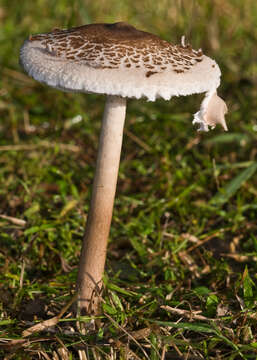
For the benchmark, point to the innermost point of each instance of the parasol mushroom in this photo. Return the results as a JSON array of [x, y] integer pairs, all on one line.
[[121, 62]]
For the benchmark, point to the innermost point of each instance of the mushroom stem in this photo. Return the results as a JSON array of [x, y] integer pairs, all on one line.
[[93, 253]]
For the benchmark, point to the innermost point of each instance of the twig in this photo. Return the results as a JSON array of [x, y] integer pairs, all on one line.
[[137, 140], [13, 220], [176, 348], [50, 322], [23, 264], [201, 242], [187, 313], [163, 352], [82, 355], [129, 353], [128, 334], [44, 354], [240, 257]]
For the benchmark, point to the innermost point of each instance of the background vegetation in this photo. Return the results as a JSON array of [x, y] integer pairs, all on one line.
[[181, 269]]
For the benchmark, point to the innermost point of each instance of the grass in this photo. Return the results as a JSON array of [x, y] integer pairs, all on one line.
[[180, 279]]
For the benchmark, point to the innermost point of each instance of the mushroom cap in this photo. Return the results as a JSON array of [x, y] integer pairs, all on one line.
[[117, 59]]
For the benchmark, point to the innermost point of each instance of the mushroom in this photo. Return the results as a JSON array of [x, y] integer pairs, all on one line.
[[121, 62]]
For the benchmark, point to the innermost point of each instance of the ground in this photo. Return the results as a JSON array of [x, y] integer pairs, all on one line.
[[180, 279]]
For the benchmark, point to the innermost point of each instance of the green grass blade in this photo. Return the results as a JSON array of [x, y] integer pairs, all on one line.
[[228, 138], [231, 188], [116, 288], [198, 327], [203, 328]]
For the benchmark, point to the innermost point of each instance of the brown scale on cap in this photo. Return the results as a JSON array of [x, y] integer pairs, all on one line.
[[150, 73], [118, 45]]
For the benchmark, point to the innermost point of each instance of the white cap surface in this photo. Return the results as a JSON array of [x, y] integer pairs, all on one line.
[[117, 59]]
